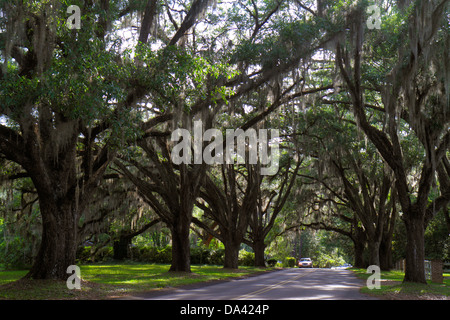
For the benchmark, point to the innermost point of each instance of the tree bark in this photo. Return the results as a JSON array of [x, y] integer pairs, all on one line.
[[415, 247], [386, 254], [121, 248], [181, 254], [59, 238], [259, 247], [374, 252], [359, 255], [231, 254]]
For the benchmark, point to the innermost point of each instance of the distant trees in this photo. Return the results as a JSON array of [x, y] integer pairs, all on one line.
[[350, 178]]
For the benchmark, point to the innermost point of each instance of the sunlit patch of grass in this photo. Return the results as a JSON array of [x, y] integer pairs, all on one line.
[[393, 287], [11, 275], [100, 281]]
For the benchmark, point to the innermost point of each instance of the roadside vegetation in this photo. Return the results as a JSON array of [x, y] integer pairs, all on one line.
[[393, 287], [114, 280]]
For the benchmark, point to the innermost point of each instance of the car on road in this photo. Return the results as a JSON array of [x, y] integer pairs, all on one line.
[[305, 263]]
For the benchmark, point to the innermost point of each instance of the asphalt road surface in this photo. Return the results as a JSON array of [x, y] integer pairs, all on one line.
[[287, 284]]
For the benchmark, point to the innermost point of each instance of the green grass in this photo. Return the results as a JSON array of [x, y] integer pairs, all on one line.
[[102, 281], [392, 287]]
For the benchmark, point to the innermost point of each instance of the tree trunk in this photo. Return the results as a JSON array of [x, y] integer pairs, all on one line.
[[374, 252], [121, 248], [359, 241], [386, 254], [415, 247], [231, 254], [359, 255], [181, 252], [59, 239], [259, 247]]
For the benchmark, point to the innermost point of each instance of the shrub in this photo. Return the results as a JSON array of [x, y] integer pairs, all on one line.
[[104, 254], [200, 255], [328, 261], [146, 254], [164, 255], [217, 256], [272, 262], [84, 254], [135, 253], [290, 262], [246, 258], [16, 254]]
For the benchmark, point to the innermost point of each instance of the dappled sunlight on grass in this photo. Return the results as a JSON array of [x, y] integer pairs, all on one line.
[[392, 287], [99, 281]]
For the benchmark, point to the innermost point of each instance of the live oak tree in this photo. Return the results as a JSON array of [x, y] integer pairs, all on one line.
[[413, 89], [43, 73], [229, 201], [274, 192], [68, 102], [220, 78], [351, 177]]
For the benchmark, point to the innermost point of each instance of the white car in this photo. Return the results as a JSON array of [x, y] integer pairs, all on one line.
[[305, 263]]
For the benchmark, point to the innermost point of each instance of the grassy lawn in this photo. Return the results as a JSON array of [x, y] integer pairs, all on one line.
[[393, 288], [103, 281]]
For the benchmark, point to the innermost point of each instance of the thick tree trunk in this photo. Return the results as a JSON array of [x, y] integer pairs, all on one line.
[[121, 248], [231, 254], [386, 254], [359, 255], [59, 239], [415, 247], [374, 252], [259, 248], [359, 242], [181, 254]]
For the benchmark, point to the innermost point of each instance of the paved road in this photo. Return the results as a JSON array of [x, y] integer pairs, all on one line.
[[287, 284]]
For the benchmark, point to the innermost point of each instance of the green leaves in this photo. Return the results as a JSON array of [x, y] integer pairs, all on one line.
[[173, 74]]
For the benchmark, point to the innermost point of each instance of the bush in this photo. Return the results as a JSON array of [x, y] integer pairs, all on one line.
[[272, 262], [104, 254], [16, 254], [84, 254], [290, 262], [200, 255], [164, 255], [217, 256], [152, 254], [145, 254], [246, 258], [328, 261]]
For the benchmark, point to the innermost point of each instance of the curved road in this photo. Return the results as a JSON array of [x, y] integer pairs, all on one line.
[[287, 284]]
